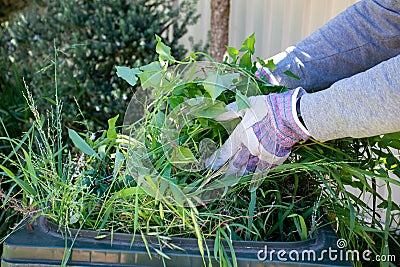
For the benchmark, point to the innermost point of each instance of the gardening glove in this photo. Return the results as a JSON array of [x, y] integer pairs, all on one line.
[[264, 137], [265, 73]]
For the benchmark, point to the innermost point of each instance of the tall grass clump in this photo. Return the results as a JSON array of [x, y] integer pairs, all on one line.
[[147, 177]]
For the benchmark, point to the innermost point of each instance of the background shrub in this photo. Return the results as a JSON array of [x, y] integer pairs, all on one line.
[[91, 38], [9, 7]]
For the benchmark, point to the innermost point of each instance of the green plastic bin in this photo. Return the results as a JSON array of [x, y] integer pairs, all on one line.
[[45, 246]]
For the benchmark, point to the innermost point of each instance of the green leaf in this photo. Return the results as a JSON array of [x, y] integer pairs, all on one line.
[[215, 83], [248, 44], [198, 233], [177, 194], [7, 171], [111, 132], [119, 161], [300, 225], [31, 169], [188, 90], [146, 244], [166, 172], [391, 140], [81, 144], [163, 51], [383, 205], [150, 75], [252, 207], [245, 61], [102, 150], [129, 192], [151, 67], [159, 119], [269, 64], [175, 101], [162, 254], [217, 243], [212, 111], [51, 101], [242, 101], [233, 53], [128, 74], [193, 55], [100, 237], [291, 75], [182, 155], [24, 185], [231, 248], [74, 218]]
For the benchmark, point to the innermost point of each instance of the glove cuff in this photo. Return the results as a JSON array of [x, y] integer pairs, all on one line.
[[297, 94], [286, 122]]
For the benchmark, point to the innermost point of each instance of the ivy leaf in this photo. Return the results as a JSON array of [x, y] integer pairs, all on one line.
[[269, 64], [212, 111], [245, 61], [189, 90], [128, 74], [248, 44], [233, 53], [163, 51], [215, 83], [158, 119], [175, 101], [150, 75], [241, 101], [111, 132], [205, 107]]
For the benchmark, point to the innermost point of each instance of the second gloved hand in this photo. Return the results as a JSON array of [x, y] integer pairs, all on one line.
[[264, 137]]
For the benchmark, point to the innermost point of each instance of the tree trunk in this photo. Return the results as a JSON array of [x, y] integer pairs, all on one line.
[[220, 10]]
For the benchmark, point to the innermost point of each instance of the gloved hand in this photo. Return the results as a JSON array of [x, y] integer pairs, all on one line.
[[265, 135]]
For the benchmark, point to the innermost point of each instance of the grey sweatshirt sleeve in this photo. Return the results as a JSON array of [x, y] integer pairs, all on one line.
[[359, 38], [363, 105], [355, 56]]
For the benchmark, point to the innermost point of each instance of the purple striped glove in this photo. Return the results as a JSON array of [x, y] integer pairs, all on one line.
[[265, 135]]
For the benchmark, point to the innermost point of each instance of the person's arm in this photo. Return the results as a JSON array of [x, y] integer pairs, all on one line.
[[366, 104], [359, 38], [363, 105]]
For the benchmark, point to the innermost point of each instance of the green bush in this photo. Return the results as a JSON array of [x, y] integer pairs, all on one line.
[[89, 38], [9, 7]]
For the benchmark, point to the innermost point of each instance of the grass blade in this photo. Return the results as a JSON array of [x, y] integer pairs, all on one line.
[[24, 185], [81, 144]]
